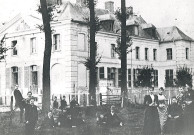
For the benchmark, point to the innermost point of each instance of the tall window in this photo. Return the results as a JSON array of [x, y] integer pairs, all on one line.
[[169, 53], [155, 77], [129, 77], [154, 54], [14, 75], [14, 50], [146, 53], [101, 72], [169, 78], [137, 52], [111, 73], [81, 42], [56, 42], [34, 79], [187, 53], [135, 75], [33, 45], [112, 50]]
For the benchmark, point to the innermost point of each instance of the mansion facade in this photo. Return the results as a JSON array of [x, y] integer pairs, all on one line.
[[163, 49]]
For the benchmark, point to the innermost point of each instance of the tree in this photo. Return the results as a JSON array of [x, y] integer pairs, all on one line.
[[47, 55], [121, 49], [144, 78], [183, 76], [91, 61], [3, 49]]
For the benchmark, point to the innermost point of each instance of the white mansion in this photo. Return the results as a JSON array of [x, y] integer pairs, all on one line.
[[165, 49]]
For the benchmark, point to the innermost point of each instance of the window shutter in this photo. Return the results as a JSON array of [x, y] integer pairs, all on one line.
[[19, 76], [39, 77], [8, 78], [26, 76]]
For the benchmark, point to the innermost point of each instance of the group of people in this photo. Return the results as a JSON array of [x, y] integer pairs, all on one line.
[[161, 118], [60, 114]]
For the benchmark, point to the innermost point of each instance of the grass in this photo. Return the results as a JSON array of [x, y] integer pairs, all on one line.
[[132, 118]]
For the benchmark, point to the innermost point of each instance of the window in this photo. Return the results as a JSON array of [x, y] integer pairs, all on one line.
[[112, 50], [33, 45], [169, 78], [56, 42], [14, 75], [101, 72], [135, 75], [169, 53], [155, 77], [154, 54], [132, 30], [129, 77], [111, 73], [187, 53], [146, 53], [34, 79], [119, 77], [59, 2], [137, 53], [81, 42], [14, 50]]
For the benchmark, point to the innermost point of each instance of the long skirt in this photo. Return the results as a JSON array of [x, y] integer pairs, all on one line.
[[162, 111], [151, 122]]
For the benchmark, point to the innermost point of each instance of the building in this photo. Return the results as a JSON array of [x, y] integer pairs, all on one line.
[[164, 49]]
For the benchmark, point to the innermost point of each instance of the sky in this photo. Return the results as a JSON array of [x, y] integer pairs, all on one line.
[[161, 13]]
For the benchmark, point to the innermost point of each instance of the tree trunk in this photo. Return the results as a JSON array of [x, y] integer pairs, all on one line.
[[123, 55], [92, 75], [47, 57]]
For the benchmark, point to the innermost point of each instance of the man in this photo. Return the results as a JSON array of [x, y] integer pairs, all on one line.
[[55, 103], [111, 118], [174, 121], [19, 101], [31, 117], [63, 103]]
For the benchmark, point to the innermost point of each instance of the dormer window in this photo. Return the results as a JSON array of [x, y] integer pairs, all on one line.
[[107, 25], [132, 30]]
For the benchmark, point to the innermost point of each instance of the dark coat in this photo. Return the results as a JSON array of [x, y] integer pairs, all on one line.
[[112, 120], [18, 98], [174, 125], [151, 119], [31, 113], [63, 104], [55, 104]]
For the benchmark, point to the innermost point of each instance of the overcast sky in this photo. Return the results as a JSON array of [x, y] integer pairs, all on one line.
[[161, 13]]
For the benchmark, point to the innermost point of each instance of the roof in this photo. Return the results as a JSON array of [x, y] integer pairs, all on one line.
[[171, 34]]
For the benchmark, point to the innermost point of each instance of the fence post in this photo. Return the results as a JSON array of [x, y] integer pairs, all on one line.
[[100, 99]]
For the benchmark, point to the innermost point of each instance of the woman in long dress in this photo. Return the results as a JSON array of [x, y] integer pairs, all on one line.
[[162, 109], [151, 116]]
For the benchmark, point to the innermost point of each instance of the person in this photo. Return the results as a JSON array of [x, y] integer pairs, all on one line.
[[64, 119], [181, 96], [112, 119], [31, 117], [73, 103], [174, 122], [151, 117], [55, 103], [63, 103], [19, 101], [188, 116], [29, 94], [162, 109], [74, 111]]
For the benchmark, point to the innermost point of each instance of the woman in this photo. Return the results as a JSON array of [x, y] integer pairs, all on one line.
[[162, 109], [151, 118]]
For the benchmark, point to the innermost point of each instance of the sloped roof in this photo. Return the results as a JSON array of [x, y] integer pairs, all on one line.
[[170, 34]]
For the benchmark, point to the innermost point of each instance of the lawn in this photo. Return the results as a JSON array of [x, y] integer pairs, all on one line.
[[132, 118]]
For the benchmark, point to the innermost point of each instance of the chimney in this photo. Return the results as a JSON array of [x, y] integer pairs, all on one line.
[[81, 2], [109, 5], [129, 10]]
